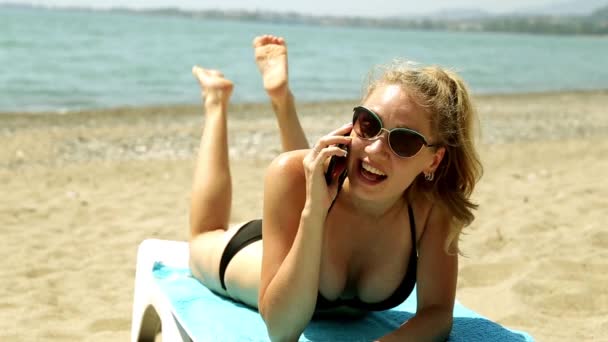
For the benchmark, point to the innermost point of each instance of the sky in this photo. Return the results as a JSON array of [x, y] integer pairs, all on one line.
[[315, 7]]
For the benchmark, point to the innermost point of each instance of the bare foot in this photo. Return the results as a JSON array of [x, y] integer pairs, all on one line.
[[271, 58], [215, 89]]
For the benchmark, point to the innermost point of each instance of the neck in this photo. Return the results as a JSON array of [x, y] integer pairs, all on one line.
[[373, 209]]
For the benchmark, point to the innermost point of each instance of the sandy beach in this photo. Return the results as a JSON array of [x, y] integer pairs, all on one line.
[[80, 191]]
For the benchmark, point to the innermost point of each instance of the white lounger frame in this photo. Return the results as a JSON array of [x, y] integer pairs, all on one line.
[[152, 312]]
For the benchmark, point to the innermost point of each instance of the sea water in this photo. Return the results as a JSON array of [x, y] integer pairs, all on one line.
[[62, 60]]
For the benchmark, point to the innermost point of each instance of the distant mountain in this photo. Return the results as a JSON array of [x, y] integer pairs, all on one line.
[[601, 13], [458, 14], [593, 23], [565, 8]]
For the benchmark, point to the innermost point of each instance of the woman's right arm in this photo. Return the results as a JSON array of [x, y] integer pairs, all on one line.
[[296, 200], [292, 244]]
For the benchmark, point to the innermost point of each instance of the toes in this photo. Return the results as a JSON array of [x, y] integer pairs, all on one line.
[[216, 73], [260, 40], [198, 72], [278, 40], [267, 39], [256, 41]]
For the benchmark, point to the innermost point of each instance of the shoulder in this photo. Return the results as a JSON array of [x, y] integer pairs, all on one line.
[[285, 174], [285, 183], [287, 164], [431, 216]]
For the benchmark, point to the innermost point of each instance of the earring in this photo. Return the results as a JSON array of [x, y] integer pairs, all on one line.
[[429, 176]]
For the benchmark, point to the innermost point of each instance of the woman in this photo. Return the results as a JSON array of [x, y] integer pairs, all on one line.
[[390, 221]]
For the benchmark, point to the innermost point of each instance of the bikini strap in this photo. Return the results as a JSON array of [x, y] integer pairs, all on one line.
[[412, 227]]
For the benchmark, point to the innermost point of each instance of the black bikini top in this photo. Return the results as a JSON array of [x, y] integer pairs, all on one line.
[[399, 295]]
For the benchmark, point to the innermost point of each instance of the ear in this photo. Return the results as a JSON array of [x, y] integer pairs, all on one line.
[[437, 158]]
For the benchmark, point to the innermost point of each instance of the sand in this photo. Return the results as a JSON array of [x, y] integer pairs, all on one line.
[[81, 190]]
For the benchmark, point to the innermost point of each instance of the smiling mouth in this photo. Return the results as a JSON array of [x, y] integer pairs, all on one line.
[[370, 173]]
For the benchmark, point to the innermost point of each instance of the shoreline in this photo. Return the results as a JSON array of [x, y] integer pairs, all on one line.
[[173, 132], [181, 107]]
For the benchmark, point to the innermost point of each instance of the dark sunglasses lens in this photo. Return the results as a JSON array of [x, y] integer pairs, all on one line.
[[405, 143], [366, 125]]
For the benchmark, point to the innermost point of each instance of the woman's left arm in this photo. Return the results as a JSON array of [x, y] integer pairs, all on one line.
[[436, 285]]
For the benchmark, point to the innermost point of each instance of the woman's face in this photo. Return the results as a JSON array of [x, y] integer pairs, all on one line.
[[375, 172]]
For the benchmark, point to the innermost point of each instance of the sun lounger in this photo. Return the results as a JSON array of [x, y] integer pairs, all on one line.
[[168, 298]]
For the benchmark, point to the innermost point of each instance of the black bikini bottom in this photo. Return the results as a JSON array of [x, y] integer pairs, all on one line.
[[247, 234]]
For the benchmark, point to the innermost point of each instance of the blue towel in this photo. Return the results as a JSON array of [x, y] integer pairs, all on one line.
[[209, 317]]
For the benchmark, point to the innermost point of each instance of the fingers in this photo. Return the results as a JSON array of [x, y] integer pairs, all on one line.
[[346, 128], [315, 162], [315, 159], [331, 151], [332, 140], [337, 137]]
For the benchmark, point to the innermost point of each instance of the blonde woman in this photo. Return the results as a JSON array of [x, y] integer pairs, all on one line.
[[385, 218]]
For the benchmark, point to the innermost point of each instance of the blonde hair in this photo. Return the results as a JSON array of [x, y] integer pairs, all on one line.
[[446, 98]]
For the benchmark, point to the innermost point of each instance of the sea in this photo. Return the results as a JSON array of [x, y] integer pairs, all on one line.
[[63, 60]]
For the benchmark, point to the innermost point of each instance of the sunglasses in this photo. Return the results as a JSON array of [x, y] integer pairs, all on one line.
[[404, 142]]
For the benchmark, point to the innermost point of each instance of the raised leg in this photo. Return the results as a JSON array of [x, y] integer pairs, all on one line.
[[271, 59], [212, 185], [211, 201]]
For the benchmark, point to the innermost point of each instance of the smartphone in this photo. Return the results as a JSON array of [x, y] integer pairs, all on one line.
[[336, 166]]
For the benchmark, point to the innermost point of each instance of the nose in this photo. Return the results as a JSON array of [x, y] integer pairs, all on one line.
[[379, 144]]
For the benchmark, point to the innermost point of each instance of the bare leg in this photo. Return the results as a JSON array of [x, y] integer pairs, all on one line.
[[271, 58], [212, 186], [211, 201]]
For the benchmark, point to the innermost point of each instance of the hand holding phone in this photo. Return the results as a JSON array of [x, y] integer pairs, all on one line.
[[336, 166], [320, 164]]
